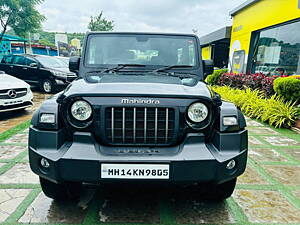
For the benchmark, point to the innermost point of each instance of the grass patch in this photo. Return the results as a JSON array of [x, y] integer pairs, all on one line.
[[11, 132]]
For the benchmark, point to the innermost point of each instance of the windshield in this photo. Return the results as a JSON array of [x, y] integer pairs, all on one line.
[[51, 62], [155, 50]]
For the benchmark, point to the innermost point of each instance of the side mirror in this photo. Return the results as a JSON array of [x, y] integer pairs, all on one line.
[[208, 67], [74, 64], [33, 65]]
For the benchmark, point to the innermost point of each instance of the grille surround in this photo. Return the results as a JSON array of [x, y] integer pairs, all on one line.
[[20, 92], [149, 126]]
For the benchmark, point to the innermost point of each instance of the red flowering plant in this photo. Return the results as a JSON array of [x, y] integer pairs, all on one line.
[[253, 81]]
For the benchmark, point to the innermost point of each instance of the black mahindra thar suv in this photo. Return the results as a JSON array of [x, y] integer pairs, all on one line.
[[139, 111]]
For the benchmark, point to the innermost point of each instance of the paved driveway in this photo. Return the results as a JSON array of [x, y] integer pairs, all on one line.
[[268, 193], [11, 119]]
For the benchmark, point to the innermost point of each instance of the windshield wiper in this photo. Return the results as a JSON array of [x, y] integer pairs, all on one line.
[[121, 66], [116, 68], [171, 67]]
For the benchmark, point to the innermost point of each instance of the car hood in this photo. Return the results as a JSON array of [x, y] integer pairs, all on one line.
[[61, 69], [160, 86], [10, 82]]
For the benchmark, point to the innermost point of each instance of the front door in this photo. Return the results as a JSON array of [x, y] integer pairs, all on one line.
[[32, 71], [19, 69]]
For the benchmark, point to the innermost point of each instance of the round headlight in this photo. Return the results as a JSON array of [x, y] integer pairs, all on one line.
[[197, 112], [81, 110]]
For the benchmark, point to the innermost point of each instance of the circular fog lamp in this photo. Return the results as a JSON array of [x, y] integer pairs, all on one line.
[[197, 112], [230, 165], [45, 163], [81, 110]]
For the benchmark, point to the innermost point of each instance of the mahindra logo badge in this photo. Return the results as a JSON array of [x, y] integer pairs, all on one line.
[[12, 93], [140, 101]]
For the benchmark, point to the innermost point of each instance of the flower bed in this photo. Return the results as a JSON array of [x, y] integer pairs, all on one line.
[[253, 81]]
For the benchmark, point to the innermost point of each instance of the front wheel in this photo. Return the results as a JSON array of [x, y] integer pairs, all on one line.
[[222, 191], [64, 191], [47, 86]]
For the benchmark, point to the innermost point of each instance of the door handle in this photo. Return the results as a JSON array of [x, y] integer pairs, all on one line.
[[11, 66], [24, 68]]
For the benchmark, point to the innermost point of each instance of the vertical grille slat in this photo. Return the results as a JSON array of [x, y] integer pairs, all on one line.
[[134, 125], [123, 124], [167, 125], [112, 124], [145, 125], [155, 127], [140, 125]]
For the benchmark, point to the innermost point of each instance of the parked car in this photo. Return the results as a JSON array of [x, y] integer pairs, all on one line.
[[15, 94], [47, 72], [139, 112]]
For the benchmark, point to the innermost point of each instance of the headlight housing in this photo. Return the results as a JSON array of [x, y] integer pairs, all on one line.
[[81, 110], [197, 112], [59, 74], [47, 118]]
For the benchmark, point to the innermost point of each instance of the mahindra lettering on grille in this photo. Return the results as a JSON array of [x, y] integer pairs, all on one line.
[[140, 125]]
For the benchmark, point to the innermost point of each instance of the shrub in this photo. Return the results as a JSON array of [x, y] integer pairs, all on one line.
[[288, 87], [253, 81], [213, 79], [275, 110], [298, 112]]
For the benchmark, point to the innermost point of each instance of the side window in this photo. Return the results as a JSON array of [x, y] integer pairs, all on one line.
[[28, 61], [7, 59], [19, 60]]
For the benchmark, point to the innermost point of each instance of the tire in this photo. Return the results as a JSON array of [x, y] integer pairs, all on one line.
[[47, 86], [221, 191], [64, 191]]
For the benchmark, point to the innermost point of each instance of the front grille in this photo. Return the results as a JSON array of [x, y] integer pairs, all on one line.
[[20, 92], [140, 125]]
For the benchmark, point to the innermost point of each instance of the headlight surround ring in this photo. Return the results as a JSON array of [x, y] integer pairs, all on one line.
[[197, 112], [81, 110], [198, 115], [80, 113]]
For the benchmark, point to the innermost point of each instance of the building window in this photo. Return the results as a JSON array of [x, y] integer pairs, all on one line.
[[238, 60], [277, 51]]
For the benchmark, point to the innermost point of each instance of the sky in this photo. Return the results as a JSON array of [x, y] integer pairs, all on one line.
[[181, 16]]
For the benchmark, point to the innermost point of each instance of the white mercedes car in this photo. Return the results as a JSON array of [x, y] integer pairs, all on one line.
[[15, 94]]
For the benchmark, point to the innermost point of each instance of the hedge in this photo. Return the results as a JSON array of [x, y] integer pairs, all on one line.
[[213, 79], [288, 88], [274, 110]]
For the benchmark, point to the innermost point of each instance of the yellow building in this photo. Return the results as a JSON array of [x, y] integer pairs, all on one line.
[[266, 37]]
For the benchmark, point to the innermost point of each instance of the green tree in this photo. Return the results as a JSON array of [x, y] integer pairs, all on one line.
[[46, 42], [99, 23], [20, 15]]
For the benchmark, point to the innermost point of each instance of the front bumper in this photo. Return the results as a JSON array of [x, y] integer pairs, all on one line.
[[16, 103], [193, 161]]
